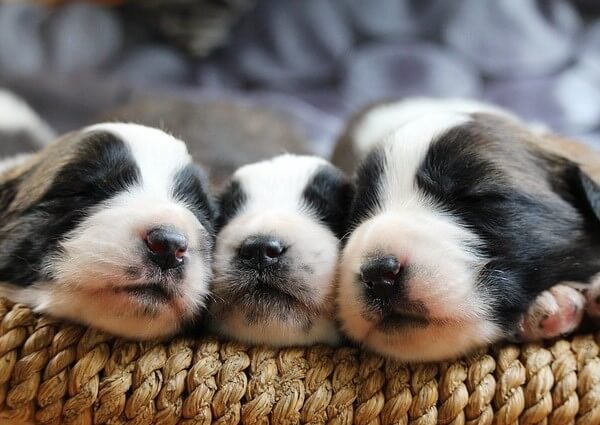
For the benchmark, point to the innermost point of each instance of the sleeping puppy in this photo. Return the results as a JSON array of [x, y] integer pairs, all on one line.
[[461, 219], [110, 226], [277, 251]]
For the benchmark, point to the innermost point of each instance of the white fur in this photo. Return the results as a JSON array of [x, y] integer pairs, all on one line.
[[557, 311], [158, 155], [443, 268], [16, 115], [274, 191], [96, 255], [277, 184], [405, 150]]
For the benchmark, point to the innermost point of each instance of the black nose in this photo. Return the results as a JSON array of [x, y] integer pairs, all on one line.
[[382, 276], [166, 247], [260, 252]]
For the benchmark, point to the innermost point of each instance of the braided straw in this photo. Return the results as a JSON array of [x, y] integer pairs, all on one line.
[[56, 373]]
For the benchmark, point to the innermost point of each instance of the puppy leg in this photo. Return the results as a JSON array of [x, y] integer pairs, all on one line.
[[554, 312]]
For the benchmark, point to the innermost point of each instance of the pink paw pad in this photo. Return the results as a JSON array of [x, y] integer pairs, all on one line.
[[554, 312]]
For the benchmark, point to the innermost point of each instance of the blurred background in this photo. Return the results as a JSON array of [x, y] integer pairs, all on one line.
[[310, 63]]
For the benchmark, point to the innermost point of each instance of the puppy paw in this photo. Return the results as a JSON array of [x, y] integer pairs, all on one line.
[[554, 312]]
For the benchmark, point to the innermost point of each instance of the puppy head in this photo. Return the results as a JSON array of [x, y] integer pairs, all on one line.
[[109, 226], [277, 250], [460, 220]]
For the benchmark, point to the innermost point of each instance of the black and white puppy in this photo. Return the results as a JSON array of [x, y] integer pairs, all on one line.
[[461, 220], [110, 226], [276, 252]]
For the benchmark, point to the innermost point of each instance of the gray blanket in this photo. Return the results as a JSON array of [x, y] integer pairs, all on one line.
[[314, 61]]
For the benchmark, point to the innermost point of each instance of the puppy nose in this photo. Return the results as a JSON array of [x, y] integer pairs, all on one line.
[[260, 252], [166, 247], [382, 276]]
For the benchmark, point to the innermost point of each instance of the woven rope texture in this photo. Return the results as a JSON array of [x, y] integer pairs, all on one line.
[[55, 373]]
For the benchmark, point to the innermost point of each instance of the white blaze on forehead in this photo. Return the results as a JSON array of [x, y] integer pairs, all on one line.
[[405, 150], [278, 183], [158, 155], [382, 120]]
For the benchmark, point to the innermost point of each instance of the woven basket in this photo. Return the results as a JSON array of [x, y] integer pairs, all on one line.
[[54, 373]]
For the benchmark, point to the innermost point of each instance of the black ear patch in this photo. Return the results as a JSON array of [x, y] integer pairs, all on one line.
[[329, 193], [104, 166], [191, 187], [573, 185], [231, 202], [367, 181], [592, 192]]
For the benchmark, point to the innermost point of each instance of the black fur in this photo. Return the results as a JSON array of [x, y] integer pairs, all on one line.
[[8, 192], [329, 194], [104, 167], [367, 182], [231, 202], [533, 242], [592, 193], [191, 188]]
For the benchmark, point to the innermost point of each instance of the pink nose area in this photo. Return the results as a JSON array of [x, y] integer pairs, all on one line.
[[180, 253]]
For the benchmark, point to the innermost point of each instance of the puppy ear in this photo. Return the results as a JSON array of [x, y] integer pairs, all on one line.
[[574, 185], [330, 192], [591, 192]]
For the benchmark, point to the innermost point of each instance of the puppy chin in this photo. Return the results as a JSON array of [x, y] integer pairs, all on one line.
[[441, 270], [438, 343], [277, 332], [296, 307], [127, 314]]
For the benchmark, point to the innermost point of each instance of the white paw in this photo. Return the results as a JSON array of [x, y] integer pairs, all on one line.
[[554, 312]]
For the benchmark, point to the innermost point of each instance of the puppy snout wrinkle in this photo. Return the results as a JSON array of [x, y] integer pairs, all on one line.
[[382, 276], [166, 247], [260, 252]]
